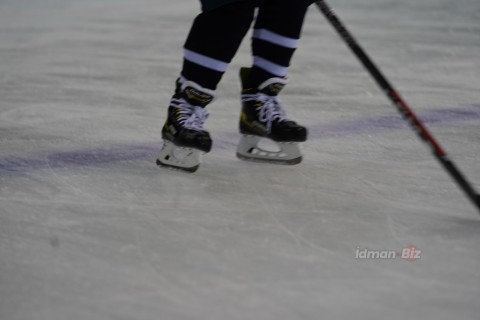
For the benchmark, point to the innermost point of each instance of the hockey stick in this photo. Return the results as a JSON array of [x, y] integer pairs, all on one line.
[[406, 112]]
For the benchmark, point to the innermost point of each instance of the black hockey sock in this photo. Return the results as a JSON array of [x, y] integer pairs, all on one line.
[[213, 41], [275, 38]]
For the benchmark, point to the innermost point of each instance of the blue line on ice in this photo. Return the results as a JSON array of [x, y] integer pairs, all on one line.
[[100, 156]]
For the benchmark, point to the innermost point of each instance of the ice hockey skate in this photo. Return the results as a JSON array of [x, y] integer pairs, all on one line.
[[184, 138], [263, 117]]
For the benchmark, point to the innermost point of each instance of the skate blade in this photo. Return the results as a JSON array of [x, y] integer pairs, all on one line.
[[179, 158], [293, 161], [248, 149], [174, 167]]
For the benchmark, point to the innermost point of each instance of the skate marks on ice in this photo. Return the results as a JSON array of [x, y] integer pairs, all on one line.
[[118, 153]]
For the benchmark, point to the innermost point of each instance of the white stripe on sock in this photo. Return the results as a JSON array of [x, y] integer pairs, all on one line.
[[273, 68], [205, 61], [275, 38]]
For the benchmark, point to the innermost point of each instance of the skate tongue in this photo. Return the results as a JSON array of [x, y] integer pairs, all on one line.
[[197, 119], [273, 86], [196, 95]]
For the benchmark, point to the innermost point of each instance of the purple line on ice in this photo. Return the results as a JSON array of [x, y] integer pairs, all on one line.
[[386, 123], [92, 157], [101, 156]]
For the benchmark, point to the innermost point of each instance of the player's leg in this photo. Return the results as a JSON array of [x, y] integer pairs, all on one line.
[[276, 36], [210, 46]]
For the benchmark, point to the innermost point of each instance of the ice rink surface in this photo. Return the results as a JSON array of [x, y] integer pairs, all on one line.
[[90, 228]]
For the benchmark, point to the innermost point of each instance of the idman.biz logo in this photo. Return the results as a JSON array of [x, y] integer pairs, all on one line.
[[410, 253]]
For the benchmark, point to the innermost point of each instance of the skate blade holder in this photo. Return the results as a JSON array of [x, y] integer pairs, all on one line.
[[181, 158], [255, 148]]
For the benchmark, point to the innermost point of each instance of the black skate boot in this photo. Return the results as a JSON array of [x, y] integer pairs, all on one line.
[[185, 140], [263, 116]]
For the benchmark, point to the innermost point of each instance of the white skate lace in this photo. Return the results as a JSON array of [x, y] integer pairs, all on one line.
[[270, 108], [193, 117]]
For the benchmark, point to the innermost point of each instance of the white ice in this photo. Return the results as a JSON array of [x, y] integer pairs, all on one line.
[[90, 228]]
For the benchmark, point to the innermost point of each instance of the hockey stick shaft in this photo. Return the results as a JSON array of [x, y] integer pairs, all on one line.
[[406, 112]]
